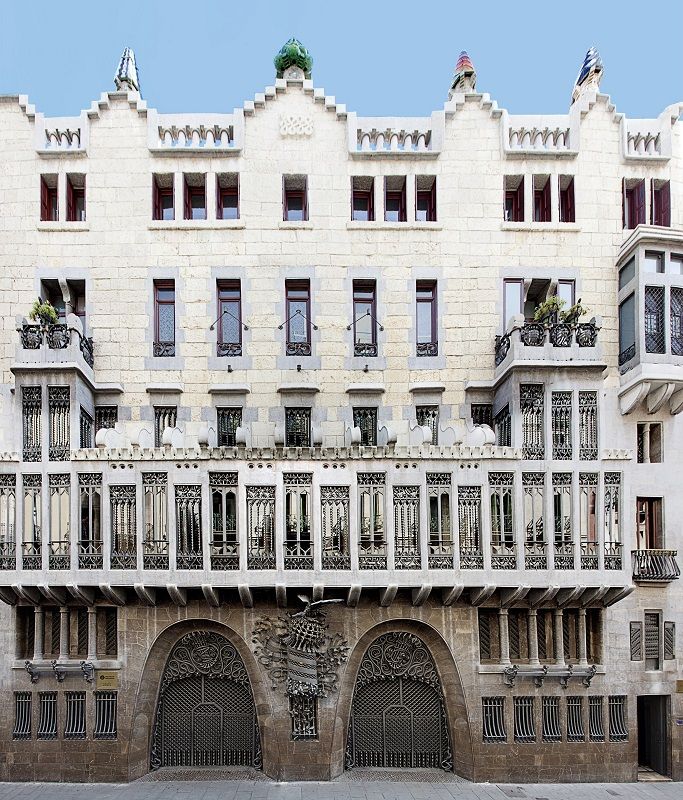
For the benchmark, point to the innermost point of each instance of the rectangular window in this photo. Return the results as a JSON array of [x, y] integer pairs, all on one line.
[[47, 717], [612, 520], [75, 198], [7, 521], [111, 635], [162, 197], [562, 425], [503, 427], [74, 726], [106, 417], [90, 531], [86, 439], [661, 203], [407, 527], [575, 728], [636, 640], [653, 642], [294, 198], [31, 408], [533, 429], [260, 527], [469, 519], [59, 521], [297, 427], [298, 535], [303, 711], [22, 715], [493, 719], [535, 546], [372, 546], [653, 262], [49, 208], [562, 520], [123, 531], [618, 727], [334, 501], [588, 426], [627, 330], [58, 401], [194, 193], [32, 538], [440, 534], [426, 319], [596, 728], [654, 320], [513, 209], [105, 715], [227, 196], [364, 318], [229, 297], [676, 320], [425, 198], [188, 505], [164, 318], [228, 421], [649, 442], [503, 551], [482, 414], [675, 264], [567, 207], [513, 299], [224, 541], [525, 730], [541, 198], [395, 198], [164, 417], [428, 417], [366, 420], [155, 541], [362, 199], [565, 291], [298, 317], [627, 273], [588, 534], [669, 641], [649, 533], [633, 191]]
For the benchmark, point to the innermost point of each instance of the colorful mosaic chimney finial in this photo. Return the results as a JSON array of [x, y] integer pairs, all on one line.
[[293, 55], [127, 73], [590, 74], [464, 75]]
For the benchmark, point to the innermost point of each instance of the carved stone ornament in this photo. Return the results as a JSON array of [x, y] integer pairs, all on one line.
[[296, 125]]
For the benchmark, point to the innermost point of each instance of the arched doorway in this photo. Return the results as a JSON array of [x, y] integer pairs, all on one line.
[[398, 717], [205, 713]]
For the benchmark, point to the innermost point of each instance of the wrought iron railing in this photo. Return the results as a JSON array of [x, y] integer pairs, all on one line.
[[427, 349], [589, 555], [564, 555], [155, 554], [90, 554], [228, 349], [225, 554], [440, 555], [163, 349], [503, 556], [55, 337], [535, 555], [298, 554], [366, 349], [558, 334], [8, 555], [613, 555], [372, 555], [654, 565]]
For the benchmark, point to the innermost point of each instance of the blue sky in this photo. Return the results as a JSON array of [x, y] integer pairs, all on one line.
[[380, 58]]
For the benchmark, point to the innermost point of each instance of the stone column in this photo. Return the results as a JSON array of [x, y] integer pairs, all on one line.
[[646, 443], [559, 638], [38, 633], [504, 637], [92, 633], [63, 632], [211, 187], [583, 642], [532, 627]]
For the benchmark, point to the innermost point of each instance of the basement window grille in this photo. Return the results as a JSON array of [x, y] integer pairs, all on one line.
[[531, 398], [596, 729], [22, 715], [407, 527], [105, 715], [524, 719], [618, 730], [74, 727], [31, 405], [575, 730], [562, 425], [493, 717], [47, 721], [58, 402], [588, 426], [551, 719]]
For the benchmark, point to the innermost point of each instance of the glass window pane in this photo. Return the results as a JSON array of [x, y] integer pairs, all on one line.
[[166, 323]]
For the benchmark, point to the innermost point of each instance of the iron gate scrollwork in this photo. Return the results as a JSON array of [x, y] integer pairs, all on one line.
[[398, 717], [205, 714]]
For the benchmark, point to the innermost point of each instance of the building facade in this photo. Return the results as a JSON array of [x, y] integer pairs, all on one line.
[[340, 443]]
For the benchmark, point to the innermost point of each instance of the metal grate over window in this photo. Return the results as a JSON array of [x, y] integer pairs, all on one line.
[[303, 710], [469, 519], [74, 727], [618, 730], [334, 502], [669, 640], [297, 427], [407, 527], [524, 719], [652, 639], [654, 319], [31, 404], [636, 637], [493, 719], [588, 426], [676, 321], [482, 414], [188, 503], [58, 402], [86, 439], [164, 417], [551, 719], [22, 715], [428, 416], [47, 719], [596, 729], [105, 715], [366, 420], [229, 420], [260, 527], [562, 425], [106, 417], [503, 427], [122, 510], [531, 400], [575, 730]]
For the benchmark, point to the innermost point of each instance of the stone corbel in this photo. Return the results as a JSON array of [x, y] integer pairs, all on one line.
[[631, 399], [509, 674], [588, 677], [539, 678], [564, 679], [657, 397]]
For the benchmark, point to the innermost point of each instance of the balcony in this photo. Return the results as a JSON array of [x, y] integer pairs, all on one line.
[[654, 566], [54, 344]]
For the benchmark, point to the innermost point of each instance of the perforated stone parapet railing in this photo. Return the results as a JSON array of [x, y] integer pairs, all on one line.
[[538, 334], [657, 566], [68, 139], [544, 139], [194, 136], [391, 140], [643, 143]]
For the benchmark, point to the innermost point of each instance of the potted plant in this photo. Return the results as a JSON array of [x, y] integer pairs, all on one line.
[[572, 314], [549, 309], [44, 312]]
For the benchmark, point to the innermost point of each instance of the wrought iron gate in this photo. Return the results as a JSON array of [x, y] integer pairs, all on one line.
[[205, 712], [397, 716]]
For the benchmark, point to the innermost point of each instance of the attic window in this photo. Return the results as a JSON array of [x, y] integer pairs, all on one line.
[[513, 210], [162, 194], [75, 198], [567, 205], [195, 196], [49, 208], [294, 198], [362, 198], [633, 202], [541, 198], [395, 198], [425, 198], [227, 196], [661, 203]]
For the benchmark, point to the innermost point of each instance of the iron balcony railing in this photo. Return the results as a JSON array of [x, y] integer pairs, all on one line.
[[655, 565], [558, 334], [55, 337]]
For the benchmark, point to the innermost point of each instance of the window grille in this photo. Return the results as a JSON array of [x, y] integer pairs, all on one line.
[[47, 715], [654, 319], [469, 519], [297, 427], [636, 640], [22, 715], [531, 397], [618, 730], [503, 426], [303, 710], [123, 534], [485, 650], [482, 414], [90, 531], [596, 728], [366, 420], [407, 527], [298, 535], [669, 640], [31, 406], [58, 403], [105, 715], [111, 641], [334, 502], [86, 430], [106, 417], [82, 632], [155, 541], [74, 727], [570, 628], [551, 719], [652, 640], [8, 501], [60, 518], [372, 546], [575, 731], [562, 425], [55, 630], [260, 527], [676, 321], [535, 556], [188, 504], [229, 420], [164, 417], [493, 718], [440, 535], [503, 551], [524, 719], [612, 507], [544, 635], [514, 640], [428, 416], [562, 520], [588, 426], [32, 539], [224, 541], [588, 482]]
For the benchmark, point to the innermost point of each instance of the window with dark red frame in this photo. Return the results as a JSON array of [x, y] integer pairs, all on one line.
[[298, 324], [162, 197], [395, 198], [195, 196], [513, 210], [164, 318], [229, 318], [364, 318], [425, 198], [633, 202], [362, 199], [75, 198], [49, 207], [541, 198], [294, 198], [567, 207], [661, 203], [427, 324], [227, 196]]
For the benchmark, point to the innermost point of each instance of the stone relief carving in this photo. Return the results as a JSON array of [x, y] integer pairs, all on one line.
[[296, 125]]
